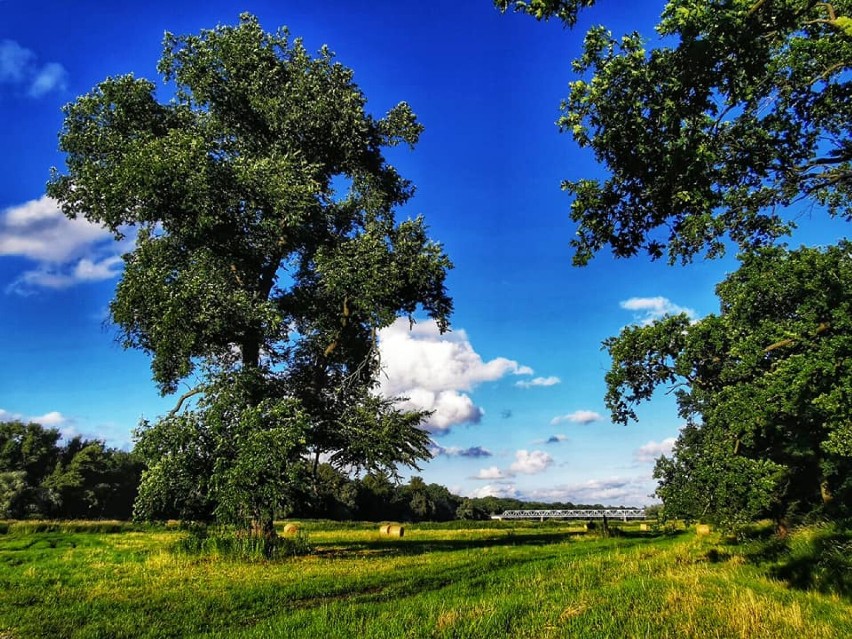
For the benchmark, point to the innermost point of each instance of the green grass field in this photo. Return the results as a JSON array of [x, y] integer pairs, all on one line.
[[490, 579]]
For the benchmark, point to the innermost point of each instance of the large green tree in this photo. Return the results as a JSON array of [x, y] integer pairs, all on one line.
[[267, 257], [740, 111], [765, 386]]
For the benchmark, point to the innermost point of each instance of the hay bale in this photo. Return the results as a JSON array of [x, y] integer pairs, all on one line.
[[383, 529], [392, 530], [644, 527], [291, 529], [702, 529]]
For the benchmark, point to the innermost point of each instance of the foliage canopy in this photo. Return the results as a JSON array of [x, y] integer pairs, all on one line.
[[742, 111], [765, 386], [267, 256]]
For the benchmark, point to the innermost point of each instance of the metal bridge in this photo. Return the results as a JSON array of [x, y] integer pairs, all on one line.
[[586, 513]]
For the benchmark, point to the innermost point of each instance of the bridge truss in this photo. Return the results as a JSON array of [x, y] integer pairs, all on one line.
[[584, 513]]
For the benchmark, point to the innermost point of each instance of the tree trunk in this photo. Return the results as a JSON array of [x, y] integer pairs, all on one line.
[[825, 492], [263, 530]]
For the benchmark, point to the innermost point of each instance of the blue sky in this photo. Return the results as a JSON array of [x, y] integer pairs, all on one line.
[[518, 386]]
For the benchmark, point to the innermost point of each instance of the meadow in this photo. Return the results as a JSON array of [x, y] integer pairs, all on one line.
[[478, 579]]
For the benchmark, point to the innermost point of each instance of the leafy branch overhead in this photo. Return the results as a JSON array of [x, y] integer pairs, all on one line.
[[737, 118]]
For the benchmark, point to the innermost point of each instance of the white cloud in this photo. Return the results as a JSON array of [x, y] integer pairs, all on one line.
[[490, 473], [14, 59], [49, 420], [50, 77], [615, 491], [495, 490], [435, 372], [66, 251], [649, 309], [6, 416], [538, 381], [648, 453], [19, 68], [38, 230], [531, 463], [578, 417]]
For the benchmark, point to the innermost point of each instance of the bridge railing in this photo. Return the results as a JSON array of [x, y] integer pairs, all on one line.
[[578, 513]]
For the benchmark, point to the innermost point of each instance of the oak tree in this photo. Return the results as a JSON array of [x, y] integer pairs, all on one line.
[[267, 257]]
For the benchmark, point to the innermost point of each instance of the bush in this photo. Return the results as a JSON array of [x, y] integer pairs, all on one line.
[[237, 544]]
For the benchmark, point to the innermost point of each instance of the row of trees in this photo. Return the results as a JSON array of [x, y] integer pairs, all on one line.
[[41, 476], [254, 270], [720, 136]]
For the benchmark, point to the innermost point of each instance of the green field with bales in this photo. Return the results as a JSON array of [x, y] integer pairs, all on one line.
[[473, 579]]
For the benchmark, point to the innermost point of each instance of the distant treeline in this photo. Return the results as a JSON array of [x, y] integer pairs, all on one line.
[[42, 476]]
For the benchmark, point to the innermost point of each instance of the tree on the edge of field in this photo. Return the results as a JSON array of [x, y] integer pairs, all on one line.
[[765, 387], [742, 111], [267, 258]]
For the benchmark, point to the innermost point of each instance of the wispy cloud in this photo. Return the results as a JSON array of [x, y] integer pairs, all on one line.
[[577, 417], [66, 252], [474, 452], [538, 381], [612, 491], [646, 310], [436, 372], [51, 420], [19, 68]]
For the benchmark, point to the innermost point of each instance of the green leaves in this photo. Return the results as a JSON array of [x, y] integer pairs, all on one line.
[[743, 112], [248, 270], [764, 386]]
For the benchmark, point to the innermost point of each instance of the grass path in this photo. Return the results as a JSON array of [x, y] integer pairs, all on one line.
[[525, 581]]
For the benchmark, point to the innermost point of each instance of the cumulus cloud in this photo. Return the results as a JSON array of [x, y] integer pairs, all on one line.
[[66, 252], [436, 372], [474, 452], [495, 490], [538, 381], [490, 473], [646, 310], [531, 463], [649, 452], [19, 68], [578, 417]]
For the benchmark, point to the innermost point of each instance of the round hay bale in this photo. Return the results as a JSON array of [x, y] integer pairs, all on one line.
[[383, 529], [291, 529], [644, 527], [396, 531], [702, 529]]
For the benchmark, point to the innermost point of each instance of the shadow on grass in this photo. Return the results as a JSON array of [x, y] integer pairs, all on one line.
[[824, 564], [816, 558], [406, 547]]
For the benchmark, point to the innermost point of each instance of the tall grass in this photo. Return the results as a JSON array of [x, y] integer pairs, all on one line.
[[539, 581]]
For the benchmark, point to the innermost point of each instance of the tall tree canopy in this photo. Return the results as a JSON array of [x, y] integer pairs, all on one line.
[[267, 257], [742, 110], [765, 387]]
